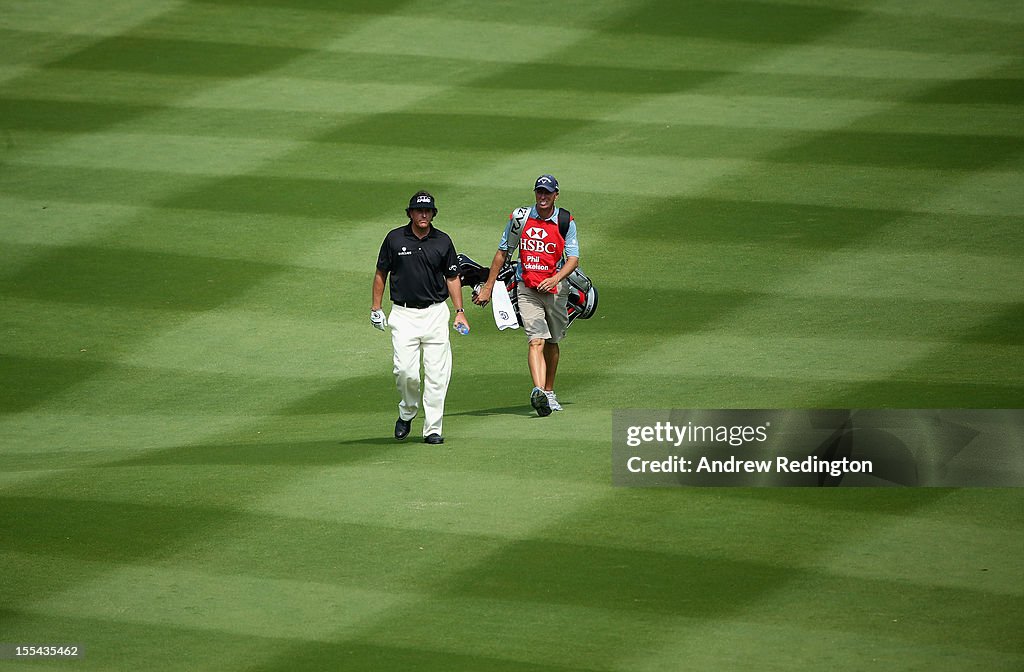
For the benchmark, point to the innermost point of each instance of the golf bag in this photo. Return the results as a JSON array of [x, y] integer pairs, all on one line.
[[582, 299]]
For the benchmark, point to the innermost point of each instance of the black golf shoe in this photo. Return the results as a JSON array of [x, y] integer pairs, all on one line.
[[402, 428]]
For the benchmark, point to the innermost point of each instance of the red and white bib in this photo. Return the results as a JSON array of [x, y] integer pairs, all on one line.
[[541, 246]]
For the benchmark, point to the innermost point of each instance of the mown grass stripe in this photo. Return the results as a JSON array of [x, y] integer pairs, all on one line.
[[175, 57], [144, 279], [163, 129], [769, 315], [231, 603], [246, 554], [185, 154], [596, 82], [113, 641], [877, 188]]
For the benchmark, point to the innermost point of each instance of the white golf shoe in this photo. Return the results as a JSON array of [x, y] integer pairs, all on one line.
[[553, 400]]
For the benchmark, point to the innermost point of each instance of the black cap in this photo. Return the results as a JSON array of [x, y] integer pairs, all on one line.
[[422, 201]]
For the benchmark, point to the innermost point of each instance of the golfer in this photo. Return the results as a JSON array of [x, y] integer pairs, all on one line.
[[424, 272]]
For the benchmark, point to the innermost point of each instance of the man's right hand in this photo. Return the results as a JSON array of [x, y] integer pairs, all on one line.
[[482, 295], [378, 319]]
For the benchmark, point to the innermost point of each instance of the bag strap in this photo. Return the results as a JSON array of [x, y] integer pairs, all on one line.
[[563, 221], [519, 217]]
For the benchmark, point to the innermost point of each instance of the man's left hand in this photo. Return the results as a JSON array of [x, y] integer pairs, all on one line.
[[547, 284]]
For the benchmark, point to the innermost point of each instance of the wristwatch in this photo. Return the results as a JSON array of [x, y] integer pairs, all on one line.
[[459, 310]]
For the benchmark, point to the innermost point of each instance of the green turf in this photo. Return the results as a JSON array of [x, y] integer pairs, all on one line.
[[793, 204]]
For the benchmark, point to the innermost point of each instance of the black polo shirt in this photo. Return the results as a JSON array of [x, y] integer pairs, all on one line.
[[419, 269]]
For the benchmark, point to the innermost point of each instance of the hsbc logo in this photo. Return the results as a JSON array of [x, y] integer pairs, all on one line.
[[534, 241], [530, 245]]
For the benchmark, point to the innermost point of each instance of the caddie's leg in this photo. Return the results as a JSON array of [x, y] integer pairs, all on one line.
[[437, 367], [535, 358], [532, 312], [405, 341], [556, 314], [551, 353]]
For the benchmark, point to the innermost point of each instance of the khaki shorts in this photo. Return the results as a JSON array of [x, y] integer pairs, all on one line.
[[544, 314]]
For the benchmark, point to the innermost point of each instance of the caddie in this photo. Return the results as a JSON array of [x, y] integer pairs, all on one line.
[[549, 251]]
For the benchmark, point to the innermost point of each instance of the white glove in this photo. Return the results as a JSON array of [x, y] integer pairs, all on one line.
[[378, 319]]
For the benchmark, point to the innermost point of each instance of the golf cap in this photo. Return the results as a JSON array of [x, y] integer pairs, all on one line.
[[422, 201], [547, 183]]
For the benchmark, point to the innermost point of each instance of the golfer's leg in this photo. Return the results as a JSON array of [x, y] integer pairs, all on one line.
[[405, 340], [437, 369]]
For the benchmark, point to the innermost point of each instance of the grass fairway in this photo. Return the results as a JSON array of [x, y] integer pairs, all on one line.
[[791, 204]]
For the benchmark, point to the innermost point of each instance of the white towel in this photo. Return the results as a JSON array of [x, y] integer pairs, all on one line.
[[501, 304]]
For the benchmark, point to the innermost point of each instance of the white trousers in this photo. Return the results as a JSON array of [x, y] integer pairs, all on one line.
[[422, 331]]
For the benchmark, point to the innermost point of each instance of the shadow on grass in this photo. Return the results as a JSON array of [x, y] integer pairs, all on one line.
[[284, 453], [521, 409]]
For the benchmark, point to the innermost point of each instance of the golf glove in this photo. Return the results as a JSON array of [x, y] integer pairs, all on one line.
[[378, 319]]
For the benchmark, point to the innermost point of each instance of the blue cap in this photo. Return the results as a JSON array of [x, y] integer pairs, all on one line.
[[547, 183]]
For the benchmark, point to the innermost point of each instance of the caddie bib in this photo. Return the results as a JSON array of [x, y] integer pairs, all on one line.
[[541, 246]]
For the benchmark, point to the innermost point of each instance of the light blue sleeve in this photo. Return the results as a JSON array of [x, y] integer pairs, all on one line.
[[572, 245]]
